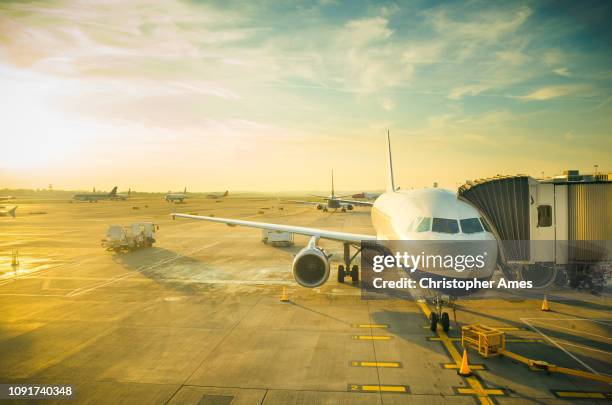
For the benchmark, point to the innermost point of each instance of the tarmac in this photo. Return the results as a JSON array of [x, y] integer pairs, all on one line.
[[197, 318]]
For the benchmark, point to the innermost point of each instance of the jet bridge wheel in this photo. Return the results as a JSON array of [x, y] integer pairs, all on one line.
[[445, 321], [355, 274], [433, 321], [341, 274]]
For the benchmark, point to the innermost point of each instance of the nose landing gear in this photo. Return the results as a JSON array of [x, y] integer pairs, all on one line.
[[438, 316]]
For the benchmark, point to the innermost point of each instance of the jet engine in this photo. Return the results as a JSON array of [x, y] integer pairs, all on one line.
[[349, 207], [319, 206], [311, 266]]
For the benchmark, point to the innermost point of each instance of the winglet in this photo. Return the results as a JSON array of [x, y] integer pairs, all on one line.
[[390, 179]]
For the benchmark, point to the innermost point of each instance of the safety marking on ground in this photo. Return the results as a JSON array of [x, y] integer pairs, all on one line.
[[453, 366], [370, 325], [371, 337], [476, 386], [508, 340], [395, 389], [471, 391], [427, 327], [384, 364], [581, 394]]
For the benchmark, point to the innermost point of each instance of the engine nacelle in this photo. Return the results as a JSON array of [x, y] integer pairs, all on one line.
[[349, 207], [311, 266], [319, 206]]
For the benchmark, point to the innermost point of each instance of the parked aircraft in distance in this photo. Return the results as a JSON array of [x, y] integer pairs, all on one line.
[[179, 197], [412, 215], [333, 202], [367, 196], [217, 196], [95, 197], [8, 211], [124, 196], [8, 197]]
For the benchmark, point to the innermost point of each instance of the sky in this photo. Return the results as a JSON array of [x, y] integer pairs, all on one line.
[[158, 95]]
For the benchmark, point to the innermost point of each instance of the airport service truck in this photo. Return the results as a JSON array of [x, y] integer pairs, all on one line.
[[128, 238], [276, 238]]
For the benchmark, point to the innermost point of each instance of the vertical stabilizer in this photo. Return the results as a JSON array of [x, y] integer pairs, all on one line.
[[390, 179], [113, 192], [333, 192]]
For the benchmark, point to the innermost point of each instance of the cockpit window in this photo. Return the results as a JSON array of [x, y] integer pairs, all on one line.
[[485, 224], [470, 225], [424, 225], [445, 225]]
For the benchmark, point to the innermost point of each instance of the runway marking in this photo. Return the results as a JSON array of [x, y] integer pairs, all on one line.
[[582, 394], [475, 385], [371, 337], [582, 332], [397, 389], [586, 348], [557, 345], [471, 391], [370, 325], [453, 366], [385, 364]]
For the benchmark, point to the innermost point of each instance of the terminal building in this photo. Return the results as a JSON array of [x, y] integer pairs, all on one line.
[[554, 231]]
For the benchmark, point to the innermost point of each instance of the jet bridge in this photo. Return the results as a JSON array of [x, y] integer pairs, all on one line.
[[549, 231]]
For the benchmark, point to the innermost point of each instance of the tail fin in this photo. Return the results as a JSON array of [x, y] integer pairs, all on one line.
[[11, 212], [113, 192], [390, 179], [333, 192], [226, 193], [129, 192], [185, 190]]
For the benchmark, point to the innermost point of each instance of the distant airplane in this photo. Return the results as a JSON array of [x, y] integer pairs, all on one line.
[[8, 197], [8, 211], [367, 196], [412, 215], [333, 202], [123, 196], [95, 197], [217, 196], [172, 197]]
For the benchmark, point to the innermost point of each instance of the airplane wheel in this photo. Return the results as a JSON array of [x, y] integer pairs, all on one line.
[[433, 321], [343, 210], [355, 274], [445, 321], [341, 274], [324, 209]]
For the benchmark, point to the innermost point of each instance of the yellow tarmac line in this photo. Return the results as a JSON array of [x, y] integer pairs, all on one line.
[[370, 325], [470, 391], [397, 389], [582, 394], [387, 364], [478, 390], [371, 337], [453, 366]]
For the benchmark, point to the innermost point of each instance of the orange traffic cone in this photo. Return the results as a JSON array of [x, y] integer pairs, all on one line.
[[545, 306], [464, 370], [284, 296]]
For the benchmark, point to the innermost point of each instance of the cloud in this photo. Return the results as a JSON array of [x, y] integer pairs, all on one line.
[[512, 57], [387, 103], [562, 71], [548, 93], [469, 90]]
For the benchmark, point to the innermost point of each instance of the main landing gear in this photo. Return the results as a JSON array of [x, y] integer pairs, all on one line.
[[348, 259], [438, 316]]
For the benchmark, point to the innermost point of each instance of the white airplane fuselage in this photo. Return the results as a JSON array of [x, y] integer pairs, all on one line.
[[395, 216]]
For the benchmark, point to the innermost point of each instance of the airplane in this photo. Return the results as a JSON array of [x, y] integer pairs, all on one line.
[[217, 196], [430, 214], [123, 196], [171, 197], [8, 197], [8, 211], [367, 196], [95, 197], [332, 202]]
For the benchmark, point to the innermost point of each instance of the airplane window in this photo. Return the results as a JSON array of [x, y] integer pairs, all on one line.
[[424, 225], [485, 224], [445, 225], [470, 225]]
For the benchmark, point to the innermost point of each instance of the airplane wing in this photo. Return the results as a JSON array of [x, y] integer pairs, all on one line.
[[322, 233], [358, 203], [303, 202]]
